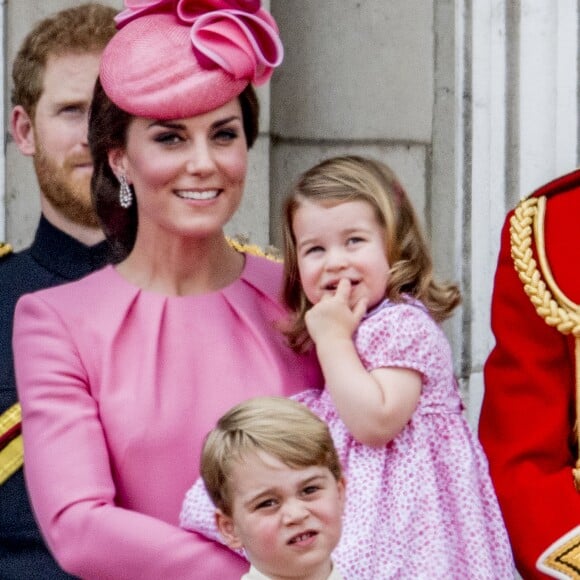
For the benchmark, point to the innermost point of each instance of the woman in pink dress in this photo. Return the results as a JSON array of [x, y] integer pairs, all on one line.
[[122, 373], [358, 276]]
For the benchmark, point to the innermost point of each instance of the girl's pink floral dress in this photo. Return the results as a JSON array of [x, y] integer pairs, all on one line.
[[422, 506]]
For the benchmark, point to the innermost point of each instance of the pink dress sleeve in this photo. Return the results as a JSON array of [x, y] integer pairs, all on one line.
[[76, 507], [398, 335]]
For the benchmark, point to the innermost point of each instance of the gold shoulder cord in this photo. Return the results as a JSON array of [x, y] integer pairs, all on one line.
[[550, 302], [241, 244]]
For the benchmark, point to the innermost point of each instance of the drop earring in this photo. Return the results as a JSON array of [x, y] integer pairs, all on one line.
[[125, 193]]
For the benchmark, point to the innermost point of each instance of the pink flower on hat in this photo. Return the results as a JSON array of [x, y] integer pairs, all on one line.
[[245, 45], [235, 35]]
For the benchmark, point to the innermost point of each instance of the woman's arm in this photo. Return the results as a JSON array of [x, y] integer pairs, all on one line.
[[68, 472], [375, 406]]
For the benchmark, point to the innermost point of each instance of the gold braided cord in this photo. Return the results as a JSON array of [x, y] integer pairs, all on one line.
[[562, 314], [550, 302], [241, 244]]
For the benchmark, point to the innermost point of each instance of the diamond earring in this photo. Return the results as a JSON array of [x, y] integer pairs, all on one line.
[[125, 193]]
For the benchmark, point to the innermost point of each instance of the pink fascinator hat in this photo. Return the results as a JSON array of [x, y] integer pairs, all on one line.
[[173, 59]]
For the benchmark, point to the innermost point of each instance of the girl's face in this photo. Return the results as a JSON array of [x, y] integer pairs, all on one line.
[[343, 240], [188, 174]]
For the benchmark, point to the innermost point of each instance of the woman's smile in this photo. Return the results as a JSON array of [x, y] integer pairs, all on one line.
[[198, 195]]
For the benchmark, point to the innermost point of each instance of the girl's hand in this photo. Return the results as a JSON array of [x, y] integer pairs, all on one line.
[[333, 318]]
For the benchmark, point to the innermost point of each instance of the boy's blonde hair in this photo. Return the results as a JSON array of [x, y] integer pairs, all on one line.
[[353, 178], [278, 426]]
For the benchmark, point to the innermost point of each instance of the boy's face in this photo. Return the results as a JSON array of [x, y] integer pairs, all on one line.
[[288, 520]]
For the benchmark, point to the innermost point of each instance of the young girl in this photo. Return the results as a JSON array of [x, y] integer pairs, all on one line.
[[358, 278]]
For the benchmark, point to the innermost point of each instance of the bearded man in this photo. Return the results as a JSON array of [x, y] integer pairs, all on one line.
[[53, 78]]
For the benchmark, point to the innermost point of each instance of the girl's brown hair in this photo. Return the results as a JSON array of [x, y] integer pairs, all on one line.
[[353, 178]]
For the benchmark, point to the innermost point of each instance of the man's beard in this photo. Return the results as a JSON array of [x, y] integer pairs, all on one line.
[[69, 196]]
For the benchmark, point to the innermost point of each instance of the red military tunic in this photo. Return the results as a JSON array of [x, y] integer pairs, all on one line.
[[529, 408]]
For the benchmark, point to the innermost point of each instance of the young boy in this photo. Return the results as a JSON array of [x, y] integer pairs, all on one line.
[[272, 472]]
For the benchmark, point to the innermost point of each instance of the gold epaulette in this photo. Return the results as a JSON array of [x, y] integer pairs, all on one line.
[[562, 558], [11, 446], [551, 304], [5, 249], [240, 244]]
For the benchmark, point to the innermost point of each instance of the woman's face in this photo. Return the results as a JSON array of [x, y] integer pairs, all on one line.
[[188, 174]]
